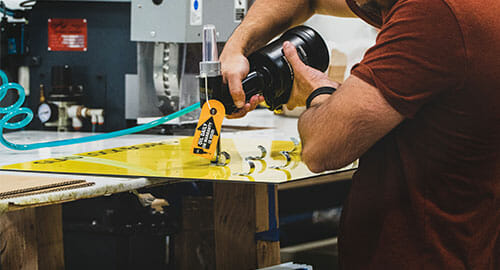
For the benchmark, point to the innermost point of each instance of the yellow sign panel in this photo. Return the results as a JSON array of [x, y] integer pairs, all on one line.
[[173, 159]]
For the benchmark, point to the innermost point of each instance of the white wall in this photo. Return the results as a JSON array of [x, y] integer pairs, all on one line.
[[350, 36], [13, 4]]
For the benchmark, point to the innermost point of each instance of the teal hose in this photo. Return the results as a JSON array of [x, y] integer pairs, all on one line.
[[7, 12], [16, 109]]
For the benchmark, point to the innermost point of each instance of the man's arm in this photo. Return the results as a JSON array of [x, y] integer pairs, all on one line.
[[268, 18], [265, 20], [339, 128]]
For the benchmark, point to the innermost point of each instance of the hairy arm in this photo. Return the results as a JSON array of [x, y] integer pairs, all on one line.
[[268, 18], [337, 129]]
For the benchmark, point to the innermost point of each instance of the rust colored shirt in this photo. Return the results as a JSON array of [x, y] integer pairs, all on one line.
[[427, 195]]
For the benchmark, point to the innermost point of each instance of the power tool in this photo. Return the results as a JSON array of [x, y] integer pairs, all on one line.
[[271, 75]]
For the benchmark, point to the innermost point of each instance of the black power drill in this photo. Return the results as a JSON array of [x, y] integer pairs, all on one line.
[[270, 73]]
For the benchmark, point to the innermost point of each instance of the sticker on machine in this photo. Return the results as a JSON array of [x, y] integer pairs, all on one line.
[[240, 9], [196, 14], [67, 35]]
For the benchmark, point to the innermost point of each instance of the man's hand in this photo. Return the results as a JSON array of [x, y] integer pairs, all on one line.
[[306, 78], [235, 68]]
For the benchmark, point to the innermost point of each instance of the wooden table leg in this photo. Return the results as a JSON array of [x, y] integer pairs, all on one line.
[[194, 246], [245, 225], [32, 239]]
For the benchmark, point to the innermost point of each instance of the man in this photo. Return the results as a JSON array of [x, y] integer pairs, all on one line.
[[420, 111]]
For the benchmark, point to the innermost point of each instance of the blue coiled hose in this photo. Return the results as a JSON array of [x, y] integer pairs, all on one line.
[[16, 109]]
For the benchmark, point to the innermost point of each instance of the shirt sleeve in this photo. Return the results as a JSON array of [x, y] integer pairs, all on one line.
[[419, 54]]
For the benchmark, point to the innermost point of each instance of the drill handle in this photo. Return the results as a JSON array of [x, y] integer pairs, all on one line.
[[253, 84]]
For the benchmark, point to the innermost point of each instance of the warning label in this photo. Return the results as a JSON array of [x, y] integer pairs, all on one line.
[[208, 130], [206, 135], [67, 35]]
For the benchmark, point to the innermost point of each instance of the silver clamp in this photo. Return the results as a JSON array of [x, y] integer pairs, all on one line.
[[251, 164], [251, 169], [223, 159], [288, 154], [296, 144], [263, 154], [288, 159]]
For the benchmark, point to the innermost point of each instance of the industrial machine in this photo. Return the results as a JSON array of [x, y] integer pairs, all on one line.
[[168, 36], [133, 59], [140, 59], [13, 33], [62, 109]]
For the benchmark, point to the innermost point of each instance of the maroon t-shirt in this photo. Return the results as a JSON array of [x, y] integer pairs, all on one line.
[[427, 195]]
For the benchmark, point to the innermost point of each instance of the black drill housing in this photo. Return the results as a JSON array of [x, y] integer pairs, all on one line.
[[270, 73]]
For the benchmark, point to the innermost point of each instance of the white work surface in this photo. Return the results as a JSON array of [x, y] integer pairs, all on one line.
[[257, 124]]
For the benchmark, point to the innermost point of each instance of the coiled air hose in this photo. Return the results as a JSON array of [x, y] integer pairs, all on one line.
[[17, 109]]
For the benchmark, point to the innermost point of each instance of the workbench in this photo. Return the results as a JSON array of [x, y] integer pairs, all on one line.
[[32, 225]]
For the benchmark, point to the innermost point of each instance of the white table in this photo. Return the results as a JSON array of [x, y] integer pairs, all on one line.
[[230, 200]]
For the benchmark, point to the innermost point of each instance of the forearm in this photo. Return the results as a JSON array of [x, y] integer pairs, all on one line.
[[265, 20], [268, 18], [329, 152], [338, 129]]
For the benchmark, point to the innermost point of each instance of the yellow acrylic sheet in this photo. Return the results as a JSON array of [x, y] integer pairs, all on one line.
[[172, 159]]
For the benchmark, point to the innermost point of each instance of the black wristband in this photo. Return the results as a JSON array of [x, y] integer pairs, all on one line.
[[320, 91]]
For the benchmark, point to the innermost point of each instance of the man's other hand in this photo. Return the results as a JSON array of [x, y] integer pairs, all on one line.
[[235, 68], [306, 78]]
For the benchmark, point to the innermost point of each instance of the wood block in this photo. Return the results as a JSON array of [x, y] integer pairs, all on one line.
[[195, 245], [49, 236], [268, 253], [234, 219], [32, 239], [219, 232], [240, 211], [19, 240]]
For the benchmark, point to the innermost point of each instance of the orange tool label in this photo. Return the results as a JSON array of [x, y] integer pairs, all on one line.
[[207, 131]]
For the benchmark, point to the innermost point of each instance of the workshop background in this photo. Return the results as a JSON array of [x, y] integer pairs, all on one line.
[[130, 61]]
